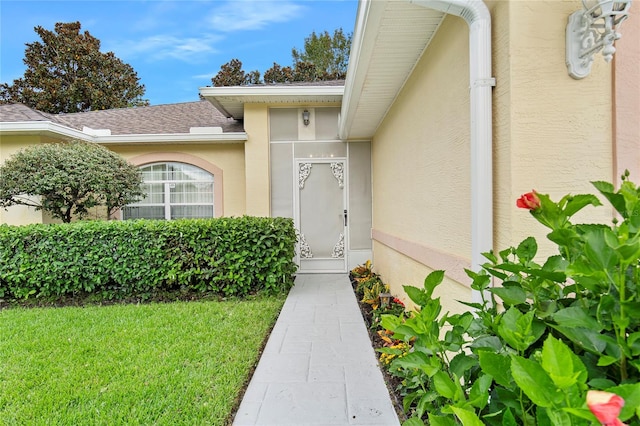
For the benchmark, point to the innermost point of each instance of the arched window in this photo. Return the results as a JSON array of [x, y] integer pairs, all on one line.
[[173, 191]]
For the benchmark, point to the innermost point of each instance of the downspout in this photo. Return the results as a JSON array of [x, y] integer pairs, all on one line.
[[477, 16]]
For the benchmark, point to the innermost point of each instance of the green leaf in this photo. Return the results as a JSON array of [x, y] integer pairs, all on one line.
[[508, 419], [616, 199], [461, 363], [435, 420], [479, 393], [596, 249], [445, 386], [432, 281], [487, 342], [518, 330], [417, 360], [631, 395], [535, 382], [496, 365], [557, 417], [589, 340], [578, 202], [467, 417], [563, 366], [512, 295], [630, 250], [634, 343], [606, 360], [417, 295], [575, 316], [527, 249], [415, 421]]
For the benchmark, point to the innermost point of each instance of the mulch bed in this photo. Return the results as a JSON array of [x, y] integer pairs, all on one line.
[[392, 382]]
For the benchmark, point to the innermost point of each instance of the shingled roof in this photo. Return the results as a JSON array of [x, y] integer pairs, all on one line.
[[158, 119], [20, 112]]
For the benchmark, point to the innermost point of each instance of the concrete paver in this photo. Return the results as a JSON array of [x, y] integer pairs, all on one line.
[[318, 367]]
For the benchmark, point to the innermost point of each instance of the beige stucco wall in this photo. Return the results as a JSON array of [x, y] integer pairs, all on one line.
[[421, 166], [551, 133], [626, 82], [559, 135], [227, 157], [256, 125]]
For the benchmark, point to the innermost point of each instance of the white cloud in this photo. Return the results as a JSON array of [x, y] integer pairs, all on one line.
[[252, 14], [161, 47]]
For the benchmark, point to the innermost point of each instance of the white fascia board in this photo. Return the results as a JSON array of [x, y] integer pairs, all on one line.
[[42, 128], [168, 138], [56, 130], [262, 91]]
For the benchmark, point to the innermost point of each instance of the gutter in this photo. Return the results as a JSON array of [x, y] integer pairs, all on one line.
[[477, 16], [54, 130]]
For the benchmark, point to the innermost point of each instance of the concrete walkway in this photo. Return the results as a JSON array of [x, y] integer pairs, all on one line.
[[318, 367]]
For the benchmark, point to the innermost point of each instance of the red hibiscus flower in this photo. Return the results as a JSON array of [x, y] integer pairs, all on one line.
[[529, 201], [606, 407]]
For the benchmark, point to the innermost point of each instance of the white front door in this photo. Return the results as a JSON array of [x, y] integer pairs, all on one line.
[[321, 215]]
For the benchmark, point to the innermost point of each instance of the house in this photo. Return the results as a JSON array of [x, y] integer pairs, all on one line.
[[450, 110]]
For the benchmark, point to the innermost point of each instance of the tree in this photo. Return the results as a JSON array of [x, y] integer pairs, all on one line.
[[325, 57], [66, 72], [67, 180], [303, 71], [231, 74], [329, 54]]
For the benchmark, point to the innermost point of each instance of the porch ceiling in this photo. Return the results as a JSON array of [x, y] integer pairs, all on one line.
[[230, 100], [389, 39]]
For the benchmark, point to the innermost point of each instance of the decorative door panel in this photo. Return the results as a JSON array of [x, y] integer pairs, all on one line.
[[321, 215]]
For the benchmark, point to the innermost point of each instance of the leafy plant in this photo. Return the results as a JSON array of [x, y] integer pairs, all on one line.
[[226, 256], [67, 180], [537, 343]]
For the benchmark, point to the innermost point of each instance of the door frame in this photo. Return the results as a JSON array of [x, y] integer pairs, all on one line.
[[345, 204]]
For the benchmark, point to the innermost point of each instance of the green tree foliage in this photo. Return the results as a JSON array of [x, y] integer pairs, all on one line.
[[329, 54], [324, 57], [67, 180], [232, 74], [66, 72], [302, 71]]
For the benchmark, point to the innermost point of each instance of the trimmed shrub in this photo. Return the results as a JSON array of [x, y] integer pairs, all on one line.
[[228, 256]]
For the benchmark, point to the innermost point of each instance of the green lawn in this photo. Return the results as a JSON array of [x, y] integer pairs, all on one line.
[[180, 363]]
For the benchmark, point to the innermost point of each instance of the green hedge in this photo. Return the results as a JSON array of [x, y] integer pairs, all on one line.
[[229, 256]]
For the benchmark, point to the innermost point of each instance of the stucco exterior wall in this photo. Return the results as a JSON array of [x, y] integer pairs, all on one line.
[[558, 133], [258, 193], [551, 133], [229, 158], [421, 166], [626, 67]]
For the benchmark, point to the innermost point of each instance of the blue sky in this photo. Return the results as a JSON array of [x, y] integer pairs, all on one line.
[[176, 46]]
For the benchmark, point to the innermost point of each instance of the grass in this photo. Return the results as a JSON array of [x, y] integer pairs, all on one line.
[[181, 363]]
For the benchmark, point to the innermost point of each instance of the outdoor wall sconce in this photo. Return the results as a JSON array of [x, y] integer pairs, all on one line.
[[305, 117], [592, 29]]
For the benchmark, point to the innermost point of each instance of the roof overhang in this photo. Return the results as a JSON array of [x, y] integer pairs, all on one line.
[[173, 138], [41, 128], [389, 38], [230, 100], [54, 130]]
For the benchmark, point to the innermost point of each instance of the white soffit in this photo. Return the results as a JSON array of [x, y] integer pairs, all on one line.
[[230, 100], [388, 41]]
